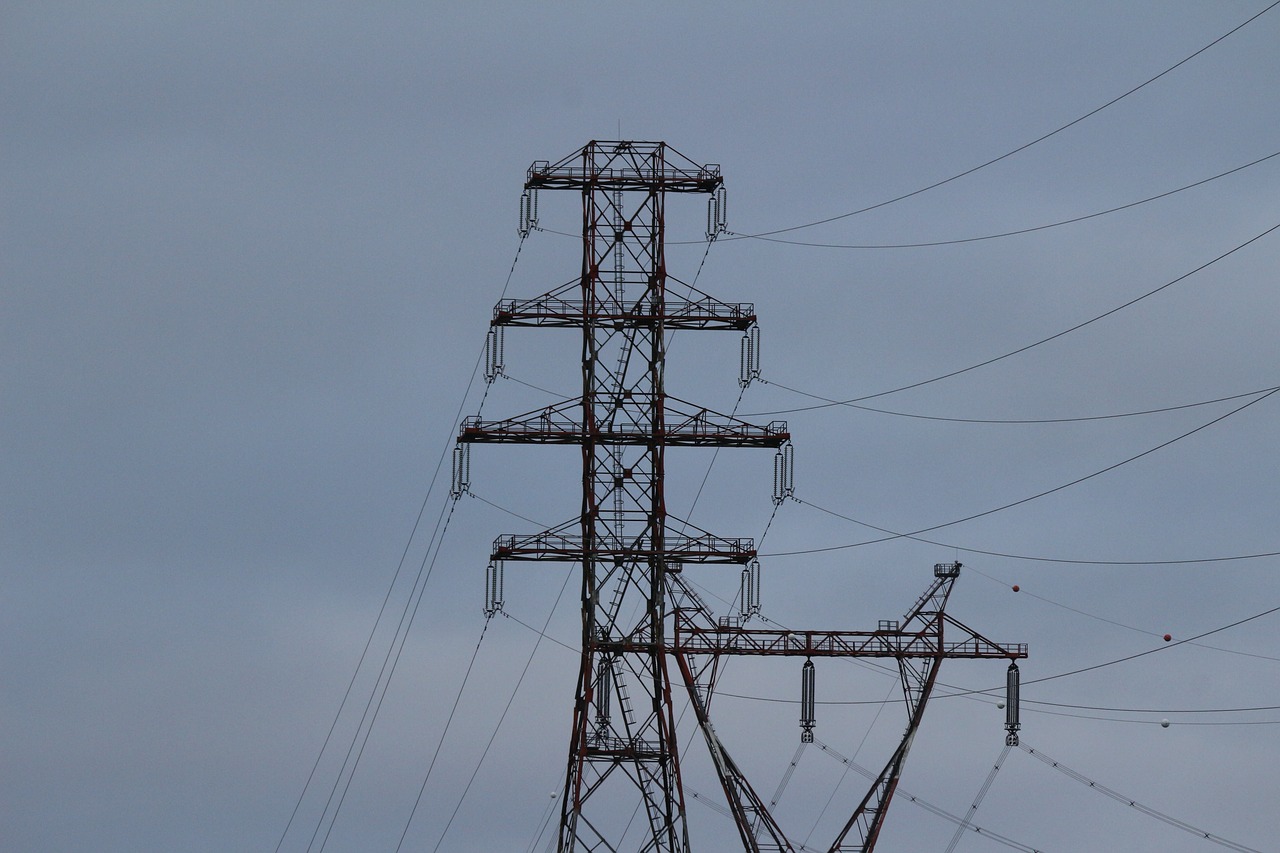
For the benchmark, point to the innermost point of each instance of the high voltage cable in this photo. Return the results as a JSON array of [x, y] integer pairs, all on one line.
[[395, 578], [363, 653], [1070, 609], [881, 702], [1152, 651], [415, 597], [987, 553], [1149, 651], [466, 676], [1030, 346], [1077, 419], [503, 716], [946, 815], [411, 612], [977, 800], [1020, 148], [1020, 501], [1134, 804], [1013, 233], [1010, 421]]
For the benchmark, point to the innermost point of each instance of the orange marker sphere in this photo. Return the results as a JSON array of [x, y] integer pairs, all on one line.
[[1168, 637], [1015, 587]]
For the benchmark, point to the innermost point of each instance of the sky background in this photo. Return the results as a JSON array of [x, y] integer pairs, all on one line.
[[249, 256]]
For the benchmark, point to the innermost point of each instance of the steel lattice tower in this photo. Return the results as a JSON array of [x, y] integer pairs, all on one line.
[[638, 614]]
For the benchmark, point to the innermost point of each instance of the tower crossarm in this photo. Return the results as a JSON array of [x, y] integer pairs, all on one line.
[[684, 425], [564, 308], [626, 165], [929, 642], [560, 544]]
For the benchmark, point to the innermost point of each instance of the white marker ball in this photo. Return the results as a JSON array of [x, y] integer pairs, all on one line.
[[1164, 724], [1000, 705]]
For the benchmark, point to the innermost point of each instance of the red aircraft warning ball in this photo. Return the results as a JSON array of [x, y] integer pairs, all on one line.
[[1015, 587], [1168, 637]]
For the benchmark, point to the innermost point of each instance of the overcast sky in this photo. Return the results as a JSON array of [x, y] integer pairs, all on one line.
[[249, 256]]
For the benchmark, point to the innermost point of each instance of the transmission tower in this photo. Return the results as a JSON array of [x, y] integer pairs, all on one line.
[[638, 612]]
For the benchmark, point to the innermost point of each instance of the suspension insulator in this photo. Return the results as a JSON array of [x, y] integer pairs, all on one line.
[[751, 589], [604, 689], [1012, 688], [779, 477], [749, 357], [716, 213], [494, 355], [754, 334], [528, 211], [461, 471], [806, 702], [789, 470], [493, 588], [784, 476]]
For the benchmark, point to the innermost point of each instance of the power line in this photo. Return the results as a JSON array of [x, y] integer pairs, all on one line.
[[381, 685], [1018, 231], [502, 718], [1015, 421], [382, 609], [849, 763], [1027, 557], [1020, 148], [1149, 651], [913, 534], [445, 732], [1134, 804], [1079, 612], [1030, 346], [970, 694]]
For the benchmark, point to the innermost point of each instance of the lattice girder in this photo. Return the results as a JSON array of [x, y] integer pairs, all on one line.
[[624, 424]]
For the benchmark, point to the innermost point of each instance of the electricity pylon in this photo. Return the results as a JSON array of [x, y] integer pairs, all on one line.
[[638, 612]]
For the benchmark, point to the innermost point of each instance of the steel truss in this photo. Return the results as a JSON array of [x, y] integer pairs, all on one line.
[[638, 613]]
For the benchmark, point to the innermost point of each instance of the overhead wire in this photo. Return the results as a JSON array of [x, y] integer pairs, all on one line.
[[965, 822], [1126, 800], [849, 763], [502, 717], [382, 609], [1025, 702], [1020, 148], [363, 654], [453, 710], [1151, 651], [1019, 421], [892, 534], [1030, 346], [1020, 501], [381, 685], [1104, 619], [1019, 231]]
